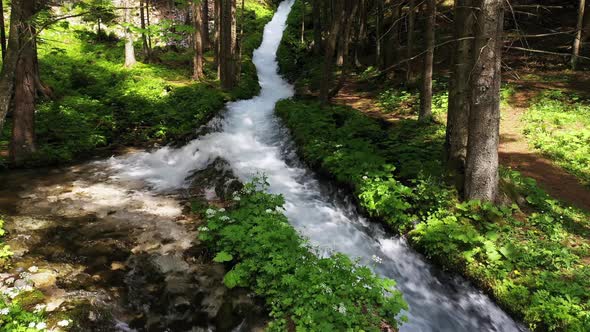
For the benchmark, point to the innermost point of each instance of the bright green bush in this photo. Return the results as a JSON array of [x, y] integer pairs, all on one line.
[[558, 125], [267, 255], [533, 263]]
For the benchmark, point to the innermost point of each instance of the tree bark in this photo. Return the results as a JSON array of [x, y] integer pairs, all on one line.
[[481, 177], [411, 34], [2, 31], [205, 30], [129, 49], [426, 93], [458, 109], [577, 40], [217, 35], [145, 44], [329, 54], [378, 42], [361, 40], [349, 21], [197, 40], [227, 50], [147, 21], [317, 26]]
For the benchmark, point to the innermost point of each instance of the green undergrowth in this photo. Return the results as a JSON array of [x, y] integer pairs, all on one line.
[[558, 125], [97, 104], [532, 256], [5, 252], [303, 290]]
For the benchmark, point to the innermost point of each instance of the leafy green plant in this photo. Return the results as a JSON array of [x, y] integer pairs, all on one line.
[[303, 290]]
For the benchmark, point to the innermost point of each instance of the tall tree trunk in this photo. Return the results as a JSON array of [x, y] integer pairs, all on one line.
[[410, 48], [378, 42], [303, 21], [317, 26], [458, 109], [147, 21], [197, 40], [145, 44], [9, 65], [577, 40], [329, 54], [22, 143], [2, 31], [348, 23], [228, 45], [426, 93], [393, 39], [129, 49], [361, 40], [481, 177], [217, 35], [240, 42], [205, 30]]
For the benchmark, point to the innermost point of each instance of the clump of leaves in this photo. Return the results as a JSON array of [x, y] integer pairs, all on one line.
[[313, 293]]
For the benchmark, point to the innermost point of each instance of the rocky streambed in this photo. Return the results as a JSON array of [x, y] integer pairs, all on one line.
[[113, 256]]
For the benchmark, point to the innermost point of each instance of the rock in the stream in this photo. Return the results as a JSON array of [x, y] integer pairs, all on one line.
[[44, 279]]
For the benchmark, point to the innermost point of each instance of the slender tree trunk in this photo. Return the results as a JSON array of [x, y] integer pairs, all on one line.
[[145, 44], [393, 39], [197, 40], [129, 49], [302, 21], [147, 20], [361, 40], [238, 63], [378, 42], [98, 31], [228, 45], [481, 177], [2, 31], [426, 93], [349, 21], [205, 30], [317, 26], [459, 93], [411, 34], [217, 35], [579, 28], [329, 54]]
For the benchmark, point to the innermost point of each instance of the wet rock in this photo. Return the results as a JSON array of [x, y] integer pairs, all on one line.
[[217, 175], [44, 279]]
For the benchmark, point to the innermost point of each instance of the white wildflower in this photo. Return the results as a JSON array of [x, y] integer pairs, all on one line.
[[222, 210], [210, 212], [4, 311], [9, 281], [41, 326], [63, 323], [237, 198], [203, 229], [32, 324], [365, 177], [342, 308], [33, 269], [377, 259], [268, 211], [39, 307], [224, 218]]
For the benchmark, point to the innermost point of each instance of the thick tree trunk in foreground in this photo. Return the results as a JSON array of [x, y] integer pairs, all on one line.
[[481, 177], [2, 31], [197, 40], [129, 49], [426, 93], [458, 111], [227, 49], [329, 54], [577, 40]]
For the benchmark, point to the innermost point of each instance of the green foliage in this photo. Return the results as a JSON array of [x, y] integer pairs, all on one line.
[[5, 252], [558, 125], [533, 264], [399, 101], [311, 293]]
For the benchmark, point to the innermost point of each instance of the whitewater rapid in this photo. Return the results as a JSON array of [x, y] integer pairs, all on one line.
[[252, 141]]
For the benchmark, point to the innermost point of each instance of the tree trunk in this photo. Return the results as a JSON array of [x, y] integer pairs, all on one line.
[[579, 28], [22, 143], [227, 50], [317, 26], [197, 40], [217, 35], [411, 34], [205, 29], [147, 21], [481, 177], [129, 49], [349, 21], [426, 93], [302, 21], [394, 34], [146, 46], [361, 40], [379, 18], [240, 41], [329, 54], [458, 109], [2, 31]]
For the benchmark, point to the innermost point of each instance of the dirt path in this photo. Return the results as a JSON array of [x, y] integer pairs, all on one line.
[[514, 151], [120, 256]]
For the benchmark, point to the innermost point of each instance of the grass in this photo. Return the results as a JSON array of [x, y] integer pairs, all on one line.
[[97, 104], [558, 125]]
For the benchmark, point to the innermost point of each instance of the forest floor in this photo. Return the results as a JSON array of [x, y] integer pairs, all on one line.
[[514, 150]]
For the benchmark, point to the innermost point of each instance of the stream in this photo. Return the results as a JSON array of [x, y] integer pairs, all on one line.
[[252, 141], [117, 234]]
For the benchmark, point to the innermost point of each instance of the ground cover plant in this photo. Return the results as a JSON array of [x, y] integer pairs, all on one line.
[[530, 257], [303, 291]]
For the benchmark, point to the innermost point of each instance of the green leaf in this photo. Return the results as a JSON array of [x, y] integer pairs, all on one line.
[[223, 257]]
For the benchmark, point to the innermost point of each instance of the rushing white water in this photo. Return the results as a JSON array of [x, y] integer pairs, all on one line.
[[252, 141]]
